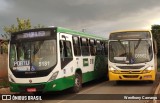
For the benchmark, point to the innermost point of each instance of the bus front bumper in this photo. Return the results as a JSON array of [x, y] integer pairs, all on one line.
[[122, 77], [56, 85]]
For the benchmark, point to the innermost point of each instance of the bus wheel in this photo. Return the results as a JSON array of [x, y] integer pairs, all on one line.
[[118, 82], [38, 93], [151, 82], [77, 83]]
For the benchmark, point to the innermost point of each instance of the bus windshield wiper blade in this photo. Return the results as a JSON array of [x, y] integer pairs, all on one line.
[[137, 44]]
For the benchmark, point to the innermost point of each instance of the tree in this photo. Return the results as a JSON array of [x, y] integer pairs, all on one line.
[[156, 35], [22, 25]]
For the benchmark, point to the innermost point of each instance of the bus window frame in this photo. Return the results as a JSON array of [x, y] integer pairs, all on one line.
[[86, 46], [93, 46], [78, 47], [65, 60]]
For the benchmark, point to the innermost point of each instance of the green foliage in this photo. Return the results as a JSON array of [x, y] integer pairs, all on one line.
[[22, 24], [4, 84], [39, 26], [156, 35], [158, 63], [4, 46]]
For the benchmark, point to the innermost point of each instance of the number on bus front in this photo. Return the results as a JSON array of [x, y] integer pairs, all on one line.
[[44, 63]]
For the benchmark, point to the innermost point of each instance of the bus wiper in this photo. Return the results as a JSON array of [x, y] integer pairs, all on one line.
[[137, 44], [38, 47], [122, 46]]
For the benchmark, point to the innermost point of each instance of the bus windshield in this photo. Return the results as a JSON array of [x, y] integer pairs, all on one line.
[[130, 51], [32, 56]]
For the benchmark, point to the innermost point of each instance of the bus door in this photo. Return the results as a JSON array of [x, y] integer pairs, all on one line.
[[85, 55], [66, 54]]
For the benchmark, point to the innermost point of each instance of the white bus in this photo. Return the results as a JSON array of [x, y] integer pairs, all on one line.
[[132, 56], [54, 59]]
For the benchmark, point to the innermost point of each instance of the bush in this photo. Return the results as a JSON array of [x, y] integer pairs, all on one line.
[[158, 63]]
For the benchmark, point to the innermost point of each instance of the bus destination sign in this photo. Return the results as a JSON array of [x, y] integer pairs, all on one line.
[[130, 35], [33, 34]]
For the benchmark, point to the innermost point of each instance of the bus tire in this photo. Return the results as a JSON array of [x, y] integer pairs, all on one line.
[[118, 82], [77, 83], [151, 81], [38, 93]]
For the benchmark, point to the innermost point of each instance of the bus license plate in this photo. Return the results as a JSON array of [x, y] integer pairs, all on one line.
[[31, 90], [147, 76]]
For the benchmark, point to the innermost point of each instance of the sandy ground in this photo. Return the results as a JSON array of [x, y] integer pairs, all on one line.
[[3, 74], [5, 91]]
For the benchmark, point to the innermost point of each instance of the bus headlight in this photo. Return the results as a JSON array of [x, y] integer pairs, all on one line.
[[113, 70], [147, 70], [53, 77]]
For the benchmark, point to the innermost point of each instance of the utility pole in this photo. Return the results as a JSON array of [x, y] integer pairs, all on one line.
[[83, 30]]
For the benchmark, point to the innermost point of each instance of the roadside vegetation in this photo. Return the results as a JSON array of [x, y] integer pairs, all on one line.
[[156, 35]]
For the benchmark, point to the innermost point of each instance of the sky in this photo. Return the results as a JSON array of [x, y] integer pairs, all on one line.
[[98, 17]]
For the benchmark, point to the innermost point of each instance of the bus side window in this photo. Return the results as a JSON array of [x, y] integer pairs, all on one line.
[[65, 49], [85, 47], [106, 48], [92, 47], [103, 48], [68, 49], [66, 53], [99, 47], [76, 46]]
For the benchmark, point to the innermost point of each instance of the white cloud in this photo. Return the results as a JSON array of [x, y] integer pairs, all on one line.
[[96, 16], [138, 20], [4, 5]]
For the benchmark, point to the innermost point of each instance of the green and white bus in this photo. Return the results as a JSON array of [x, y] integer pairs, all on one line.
[[54, 59]]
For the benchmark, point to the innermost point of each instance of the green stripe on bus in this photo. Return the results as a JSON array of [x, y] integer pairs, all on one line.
[[58, 84], [73, 32]]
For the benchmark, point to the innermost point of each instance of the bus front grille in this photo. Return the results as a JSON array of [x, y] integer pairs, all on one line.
[[39, 87], [130, 67], [130, 76], [130, 71]]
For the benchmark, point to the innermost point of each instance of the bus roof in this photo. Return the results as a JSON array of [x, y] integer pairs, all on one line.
[[130, 31], [130, 34], [73, 32]]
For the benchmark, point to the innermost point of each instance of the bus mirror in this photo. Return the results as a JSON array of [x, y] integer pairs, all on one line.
[[64, 37]]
